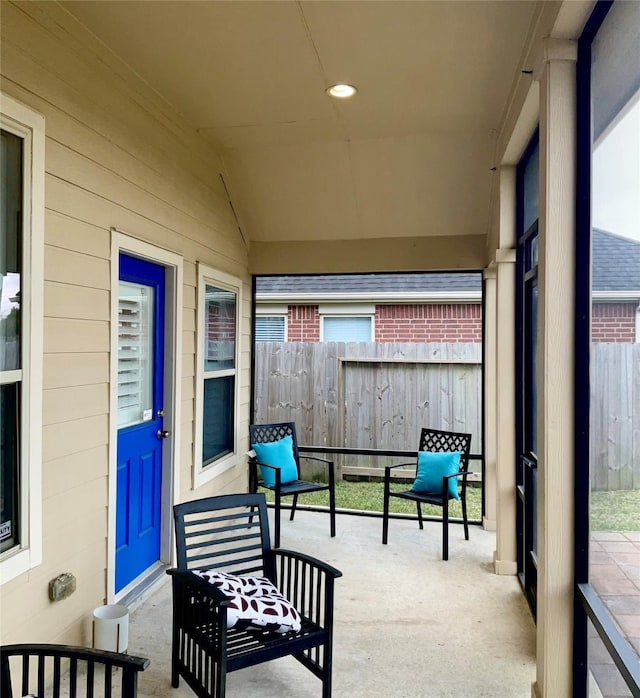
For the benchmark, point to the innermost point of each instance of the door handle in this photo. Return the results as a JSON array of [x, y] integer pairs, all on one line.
[[162, 434]]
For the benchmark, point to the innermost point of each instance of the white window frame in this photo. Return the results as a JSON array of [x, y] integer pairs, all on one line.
[[24, 122], [275, 311], [214, 277], [348, 311]]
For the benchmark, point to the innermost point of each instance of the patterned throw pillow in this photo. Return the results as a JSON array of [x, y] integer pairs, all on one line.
[[255, 601], [234, 584]]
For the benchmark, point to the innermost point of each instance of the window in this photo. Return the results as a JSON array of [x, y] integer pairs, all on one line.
[[347, 329], [10, 354], [271, 328], [135, 353], [219, 302], [21, 273]]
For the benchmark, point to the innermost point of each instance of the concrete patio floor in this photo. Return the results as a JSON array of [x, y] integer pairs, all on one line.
[[408, 625]]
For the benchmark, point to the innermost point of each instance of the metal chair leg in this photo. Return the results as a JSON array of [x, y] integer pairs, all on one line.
[[385, 510], [445, 530], [464, 516], [332, 502], [276, 536]]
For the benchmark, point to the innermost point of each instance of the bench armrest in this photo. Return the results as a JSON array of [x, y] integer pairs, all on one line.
[[190, 580], [307, 583], [254, 463], [305, 559], [389, 468], [317, 459]]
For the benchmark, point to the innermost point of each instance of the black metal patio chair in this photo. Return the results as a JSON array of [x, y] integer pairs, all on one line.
[[42, 670], [438, 480], [278, 469], [237, 602]]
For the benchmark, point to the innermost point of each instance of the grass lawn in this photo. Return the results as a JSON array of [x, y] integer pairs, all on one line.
[[610, 511], [615, 511], [368, 496]]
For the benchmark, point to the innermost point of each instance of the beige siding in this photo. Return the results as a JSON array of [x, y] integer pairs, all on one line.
[[80, 302], [62, 335], [68, 234], [73, 437], [76, 268], [69, 472], [61, 370], [70, 404], [116, 158]]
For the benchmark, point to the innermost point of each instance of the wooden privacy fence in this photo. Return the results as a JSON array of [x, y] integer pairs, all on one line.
[[368, 395], [615, 416]]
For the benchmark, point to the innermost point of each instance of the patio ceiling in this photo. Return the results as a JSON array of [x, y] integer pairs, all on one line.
[[409, 157]]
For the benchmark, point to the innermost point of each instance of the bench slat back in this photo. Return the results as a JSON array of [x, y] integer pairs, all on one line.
[[228, 533]]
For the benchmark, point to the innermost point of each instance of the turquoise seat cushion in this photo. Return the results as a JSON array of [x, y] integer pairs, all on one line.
[[432, 467], [279, 454]]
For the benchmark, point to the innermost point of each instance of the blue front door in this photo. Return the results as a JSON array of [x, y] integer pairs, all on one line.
[[140, 418]]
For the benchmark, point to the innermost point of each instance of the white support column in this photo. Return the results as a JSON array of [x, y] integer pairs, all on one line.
[[504, 557], [490, 390], [555, 386]]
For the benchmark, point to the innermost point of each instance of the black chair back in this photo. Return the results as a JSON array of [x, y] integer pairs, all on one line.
[[436, 440], [268, 433], [236, 540], [64, 670]]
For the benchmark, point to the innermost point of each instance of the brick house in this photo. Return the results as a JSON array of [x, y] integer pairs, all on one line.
[[616, 288], [431, 307]]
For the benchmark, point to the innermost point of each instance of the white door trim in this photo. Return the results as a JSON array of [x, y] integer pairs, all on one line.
[[173, 262]]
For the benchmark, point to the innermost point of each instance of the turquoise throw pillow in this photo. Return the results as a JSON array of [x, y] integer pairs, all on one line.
[[432, 467], [280, 454]]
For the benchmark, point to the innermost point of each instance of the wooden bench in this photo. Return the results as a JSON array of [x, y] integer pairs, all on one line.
[[63, 670]]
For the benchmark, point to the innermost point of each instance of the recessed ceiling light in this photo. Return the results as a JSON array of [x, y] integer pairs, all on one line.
[[341, 91]]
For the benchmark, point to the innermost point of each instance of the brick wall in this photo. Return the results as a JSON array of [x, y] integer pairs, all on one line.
[[453, 322], [613, 322], [441, 322], [303, 324]]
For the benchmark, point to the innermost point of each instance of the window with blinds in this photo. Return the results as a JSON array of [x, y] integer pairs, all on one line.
[[270, 328], [346, 329], [135, 379]]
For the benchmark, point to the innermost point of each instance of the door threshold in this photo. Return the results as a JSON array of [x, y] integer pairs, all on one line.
[[143, 588]]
